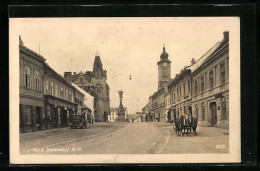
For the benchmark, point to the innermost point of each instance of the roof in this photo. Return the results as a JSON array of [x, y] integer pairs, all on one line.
[[88, 99], [201, 60], [31, 53]]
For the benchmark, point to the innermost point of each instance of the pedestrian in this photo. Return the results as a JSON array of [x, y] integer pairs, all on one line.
[[132, 120]]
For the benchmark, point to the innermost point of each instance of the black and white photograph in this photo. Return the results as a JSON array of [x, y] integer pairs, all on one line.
[[124, 90]]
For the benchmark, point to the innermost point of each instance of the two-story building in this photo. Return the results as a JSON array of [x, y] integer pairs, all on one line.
[[210, 81], [31, 97], [59, 99]]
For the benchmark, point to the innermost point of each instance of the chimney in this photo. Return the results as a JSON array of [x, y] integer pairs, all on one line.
[[193, 61], [226, 34]]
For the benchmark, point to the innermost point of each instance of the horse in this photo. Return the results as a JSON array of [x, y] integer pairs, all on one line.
[[188, 124], [177, 122]]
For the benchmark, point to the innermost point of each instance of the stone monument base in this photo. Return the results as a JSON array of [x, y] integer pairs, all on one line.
[[121, 118]]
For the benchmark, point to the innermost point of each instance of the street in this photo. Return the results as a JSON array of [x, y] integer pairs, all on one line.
[[124, 138]]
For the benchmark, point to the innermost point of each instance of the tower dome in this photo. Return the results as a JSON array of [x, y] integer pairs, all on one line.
[[164, 54]]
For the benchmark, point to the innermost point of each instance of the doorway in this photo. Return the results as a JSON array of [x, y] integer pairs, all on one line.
[[213, 113], [38, 118], [190, 110]]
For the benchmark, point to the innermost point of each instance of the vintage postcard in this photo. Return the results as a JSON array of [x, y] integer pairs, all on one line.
[[124, 90]]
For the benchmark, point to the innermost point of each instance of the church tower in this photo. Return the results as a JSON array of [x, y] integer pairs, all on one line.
[[101, 89], [164, 69]]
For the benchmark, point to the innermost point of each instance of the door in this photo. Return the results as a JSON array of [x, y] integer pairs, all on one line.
[[213, 110], [38, 118]]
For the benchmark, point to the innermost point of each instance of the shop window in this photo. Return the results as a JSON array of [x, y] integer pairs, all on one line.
[[27, 76]]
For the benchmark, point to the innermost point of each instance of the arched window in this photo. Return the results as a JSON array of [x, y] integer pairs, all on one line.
[[27, 77]]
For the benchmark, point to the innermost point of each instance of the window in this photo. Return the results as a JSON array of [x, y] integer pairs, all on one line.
[[184, 89], [52, 91], [189, 86], [174, 95], [46, 87], [196, 87], [72, 97], [177, 92], [27, 76], [222, 73], [67, 95], [203, 112], [56, 90], [180, 91], [211, 79], [61, 93], [37, 80], [202, 84]]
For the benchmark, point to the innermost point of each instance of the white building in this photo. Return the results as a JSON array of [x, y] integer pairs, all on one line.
[[88, 100]]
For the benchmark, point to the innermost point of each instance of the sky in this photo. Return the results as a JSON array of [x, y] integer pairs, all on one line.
[[127, 46]]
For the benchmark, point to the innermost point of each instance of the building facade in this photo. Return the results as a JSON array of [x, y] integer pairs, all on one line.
[[60, 99], [95, 83], [202, 89], [210, 96], [31, 96]]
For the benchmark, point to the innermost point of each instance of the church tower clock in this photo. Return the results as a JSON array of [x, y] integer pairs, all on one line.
[[164, 69]]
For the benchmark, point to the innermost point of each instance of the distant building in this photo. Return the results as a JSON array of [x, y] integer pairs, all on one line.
[[113, 116], [95, 83], [88, 102]]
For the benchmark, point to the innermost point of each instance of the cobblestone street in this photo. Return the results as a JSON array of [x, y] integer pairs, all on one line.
[[124, 138]]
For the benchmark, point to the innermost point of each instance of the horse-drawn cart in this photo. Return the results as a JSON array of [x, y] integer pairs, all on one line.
[[184, 125]]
